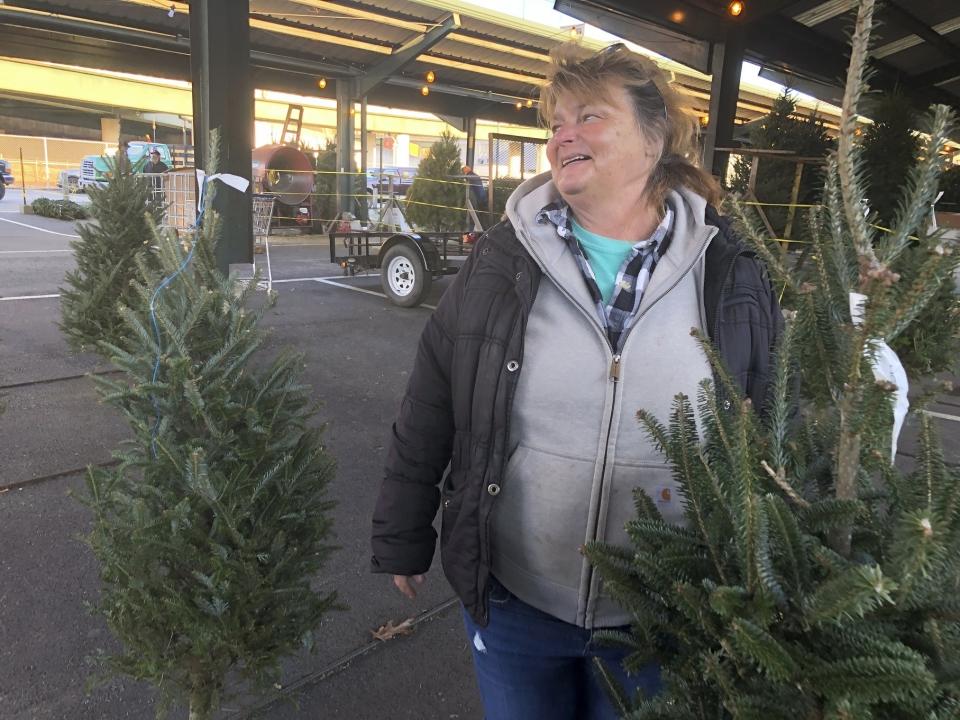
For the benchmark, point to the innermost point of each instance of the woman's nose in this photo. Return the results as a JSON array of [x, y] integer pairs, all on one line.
[[563, 133]]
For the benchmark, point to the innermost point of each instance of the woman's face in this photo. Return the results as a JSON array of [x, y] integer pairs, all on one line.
[[597, 150]]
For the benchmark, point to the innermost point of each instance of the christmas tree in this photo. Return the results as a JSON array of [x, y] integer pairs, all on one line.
[[324, 198], [106, 256], [436, 198], [215, 523], [890, 149], [781, 129], [812, 579]]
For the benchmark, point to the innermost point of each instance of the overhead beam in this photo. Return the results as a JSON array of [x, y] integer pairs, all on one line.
[[405, 54], [683, 17], [692, 52]]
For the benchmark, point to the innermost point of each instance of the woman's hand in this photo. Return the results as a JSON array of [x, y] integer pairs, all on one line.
[[407, 584]]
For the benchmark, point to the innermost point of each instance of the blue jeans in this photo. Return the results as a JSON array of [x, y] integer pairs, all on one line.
[[532, 666]]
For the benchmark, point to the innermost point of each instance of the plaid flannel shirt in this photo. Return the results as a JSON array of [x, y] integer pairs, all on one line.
[[619, 314]]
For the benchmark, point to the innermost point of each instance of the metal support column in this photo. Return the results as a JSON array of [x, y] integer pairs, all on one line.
[[362, 206], [223, 100], [345, 133], [471, 129], [726, 62]]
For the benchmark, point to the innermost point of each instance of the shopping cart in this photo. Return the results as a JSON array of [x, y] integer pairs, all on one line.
[[262, 219]]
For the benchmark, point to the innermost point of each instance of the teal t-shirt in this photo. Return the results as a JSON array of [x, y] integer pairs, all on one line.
[[605, 255]]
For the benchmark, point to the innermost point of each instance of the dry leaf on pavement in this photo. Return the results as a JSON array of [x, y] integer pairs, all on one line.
[[389, 631]]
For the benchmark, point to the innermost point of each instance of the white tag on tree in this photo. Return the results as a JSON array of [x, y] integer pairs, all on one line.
[[887, 367]]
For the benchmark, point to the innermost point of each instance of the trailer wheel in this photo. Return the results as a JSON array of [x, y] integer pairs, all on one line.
[[403, 276], [3, 189]]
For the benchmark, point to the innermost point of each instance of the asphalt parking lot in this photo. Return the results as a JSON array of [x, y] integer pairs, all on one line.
[[358, 350]]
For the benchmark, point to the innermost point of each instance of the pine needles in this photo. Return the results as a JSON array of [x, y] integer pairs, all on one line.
[[811, 579]]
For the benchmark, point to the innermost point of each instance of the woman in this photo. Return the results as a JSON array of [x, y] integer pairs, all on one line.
[[570, 315]]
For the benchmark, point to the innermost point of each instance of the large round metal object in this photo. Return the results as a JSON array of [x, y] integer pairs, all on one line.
[[284, 171]]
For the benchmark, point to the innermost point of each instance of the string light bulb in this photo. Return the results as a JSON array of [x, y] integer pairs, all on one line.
[[424, 91], [529, 103], [322, 83], [736, 8], [430, 76], [519, 105]]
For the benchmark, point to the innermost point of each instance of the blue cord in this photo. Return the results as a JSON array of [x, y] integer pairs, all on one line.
[[153, 314]]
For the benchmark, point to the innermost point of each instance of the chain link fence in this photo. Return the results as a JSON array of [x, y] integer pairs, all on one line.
[[512, 159]]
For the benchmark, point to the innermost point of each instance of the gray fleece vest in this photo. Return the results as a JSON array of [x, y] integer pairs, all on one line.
[[577, 450]]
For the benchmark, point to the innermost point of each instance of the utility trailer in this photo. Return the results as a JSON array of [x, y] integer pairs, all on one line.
[[408, 261]]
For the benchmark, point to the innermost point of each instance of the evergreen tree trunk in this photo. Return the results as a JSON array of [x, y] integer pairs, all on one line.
[[201, 696]]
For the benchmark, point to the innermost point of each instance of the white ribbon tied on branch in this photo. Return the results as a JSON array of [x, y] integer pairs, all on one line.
[[234, 181], [886, 367]]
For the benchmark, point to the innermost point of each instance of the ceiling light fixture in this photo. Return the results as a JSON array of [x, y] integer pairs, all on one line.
[[736, 8], [430, 76], [322, 83], [424, 91]]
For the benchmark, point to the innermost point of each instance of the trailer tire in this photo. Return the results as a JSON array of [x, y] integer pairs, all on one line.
[[403, 276], [3, 189]]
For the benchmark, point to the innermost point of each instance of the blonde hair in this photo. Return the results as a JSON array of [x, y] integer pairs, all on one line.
[[659, 109]]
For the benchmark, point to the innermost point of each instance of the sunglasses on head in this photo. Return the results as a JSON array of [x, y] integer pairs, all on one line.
[[617, 47]]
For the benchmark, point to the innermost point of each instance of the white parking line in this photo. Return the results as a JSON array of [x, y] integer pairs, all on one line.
[[34, 227], [24, 252], [28, 297], [327, 281], [306, 279], [942, 416]]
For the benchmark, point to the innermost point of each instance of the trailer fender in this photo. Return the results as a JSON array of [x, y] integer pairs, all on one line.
[[428, 252]]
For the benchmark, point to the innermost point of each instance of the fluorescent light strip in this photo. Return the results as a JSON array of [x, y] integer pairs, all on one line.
[[822, 13], [944, 28], [308, 34]]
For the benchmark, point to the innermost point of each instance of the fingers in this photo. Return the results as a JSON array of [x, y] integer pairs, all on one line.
[[405, 584]]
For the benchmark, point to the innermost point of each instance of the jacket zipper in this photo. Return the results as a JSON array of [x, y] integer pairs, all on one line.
[[615, 372]]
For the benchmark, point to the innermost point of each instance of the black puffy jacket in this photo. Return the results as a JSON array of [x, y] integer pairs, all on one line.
[[458, 401]]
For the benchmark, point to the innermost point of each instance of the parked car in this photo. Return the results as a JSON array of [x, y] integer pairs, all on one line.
[[6, 176], [70, 180], [94, 167], [400, 178]]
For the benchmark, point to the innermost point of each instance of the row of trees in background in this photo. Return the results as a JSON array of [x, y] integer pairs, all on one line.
[[891, 147]]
